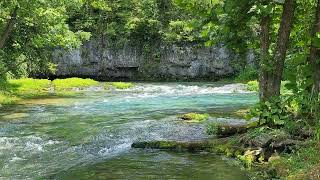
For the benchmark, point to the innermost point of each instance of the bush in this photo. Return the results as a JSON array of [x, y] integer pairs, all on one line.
[[253, 86], [65, 84]]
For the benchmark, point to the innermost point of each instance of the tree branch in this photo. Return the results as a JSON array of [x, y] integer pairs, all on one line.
[[8, 29]]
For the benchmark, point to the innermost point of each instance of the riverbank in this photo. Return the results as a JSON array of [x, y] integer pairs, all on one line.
[[284, 153], [18, 90]]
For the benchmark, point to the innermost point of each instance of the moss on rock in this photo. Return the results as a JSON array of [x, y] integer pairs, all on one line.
[[194, 117]]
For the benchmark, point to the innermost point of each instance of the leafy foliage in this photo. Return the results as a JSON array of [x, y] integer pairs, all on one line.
[[39, 27], [274, 113], [250, 73]]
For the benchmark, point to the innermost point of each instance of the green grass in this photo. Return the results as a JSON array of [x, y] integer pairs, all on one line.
[[29, 87], [70, 83], [118, 85], [5, 98], [12, 91]]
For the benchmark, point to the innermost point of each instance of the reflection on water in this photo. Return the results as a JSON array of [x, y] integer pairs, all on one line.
[[92, 134]]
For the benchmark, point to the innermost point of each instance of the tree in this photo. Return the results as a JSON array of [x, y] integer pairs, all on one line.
[[272, 72], [9, 27], [30, 29], [315, 51]]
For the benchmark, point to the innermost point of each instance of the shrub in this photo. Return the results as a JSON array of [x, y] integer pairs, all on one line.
[[253, 86]]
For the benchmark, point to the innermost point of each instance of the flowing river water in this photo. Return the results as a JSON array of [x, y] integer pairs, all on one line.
[[90, 136]]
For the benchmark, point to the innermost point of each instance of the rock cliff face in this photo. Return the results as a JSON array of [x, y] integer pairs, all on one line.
[[99, 59]]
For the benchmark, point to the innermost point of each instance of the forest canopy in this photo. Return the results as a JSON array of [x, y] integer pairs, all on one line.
[[283, 34]]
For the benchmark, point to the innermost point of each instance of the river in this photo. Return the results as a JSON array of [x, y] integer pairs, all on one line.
[[89, 136]]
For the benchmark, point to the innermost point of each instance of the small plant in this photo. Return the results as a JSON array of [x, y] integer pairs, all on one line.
[[194, 117], [274, 113], [212, 128]]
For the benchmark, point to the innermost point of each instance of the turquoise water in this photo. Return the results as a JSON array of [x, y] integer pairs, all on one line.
[[89, 136]]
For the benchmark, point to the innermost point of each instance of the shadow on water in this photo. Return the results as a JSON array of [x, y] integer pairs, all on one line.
[[151, 164]]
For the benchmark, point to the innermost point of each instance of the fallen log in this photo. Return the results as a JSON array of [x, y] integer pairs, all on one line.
[[192, 146]]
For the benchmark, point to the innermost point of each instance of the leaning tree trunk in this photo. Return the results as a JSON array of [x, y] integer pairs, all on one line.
[[315, 54], [272, 82], [8, 29]]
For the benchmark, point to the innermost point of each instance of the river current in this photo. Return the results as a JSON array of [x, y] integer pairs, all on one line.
[[89, 136]]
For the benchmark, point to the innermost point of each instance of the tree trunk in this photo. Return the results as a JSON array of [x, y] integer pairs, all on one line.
[[264, 57], [271, 79], [8, 29], [282, 43], [315, 54]]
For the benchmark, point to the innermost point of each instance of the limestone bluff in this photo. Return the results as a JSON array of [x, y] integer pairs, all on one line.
[[100, 59]]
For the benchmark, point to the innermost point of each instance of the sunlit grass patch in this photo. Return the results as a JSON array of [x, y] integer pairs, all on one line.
[[67, 84], [7, 98], [29, 87], [118, 85]]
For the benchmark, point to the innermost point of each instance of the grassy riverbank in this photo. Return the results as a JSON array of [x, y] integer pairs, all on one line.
[[16, 90]]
